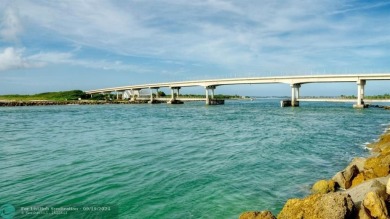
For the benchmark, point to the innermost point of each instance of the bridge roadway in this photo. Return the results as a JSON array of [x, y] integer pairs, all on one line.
[[133, 91]]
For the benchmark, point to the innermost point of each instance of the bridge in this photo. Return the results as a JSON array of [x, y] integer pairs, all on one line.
[[133, 91]]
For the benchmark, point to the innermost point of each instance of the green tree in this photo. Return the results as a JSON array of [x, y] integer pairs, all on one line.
[[161, 94]]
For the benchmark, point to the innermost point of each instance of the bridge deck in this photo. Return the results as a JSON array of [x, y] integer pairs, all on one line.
[[341, 100], [252, 80]]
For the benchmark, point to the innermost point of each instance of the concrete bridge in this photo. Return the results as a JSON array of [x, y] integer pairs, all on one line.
[[133, 91]]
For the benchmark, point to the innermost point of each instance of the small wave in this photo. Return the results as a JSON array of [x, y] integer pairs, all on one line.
[[365, 146]]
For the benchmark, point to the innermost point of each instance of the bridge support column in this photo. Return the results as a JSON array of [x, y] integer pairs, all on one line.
[[117, 95], [133, 98], [295, 94], [151, 96], [152, 100], [175, 95], [360, 94], [207, 96], [212, 100]]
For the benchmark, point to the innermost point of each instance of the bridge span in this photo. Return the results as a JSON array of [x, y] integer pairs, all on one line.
[[133, 91]]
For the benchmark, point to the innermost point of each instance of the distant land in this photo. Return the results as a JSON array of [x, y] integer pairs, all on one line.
[[73, 95], [52, 96]]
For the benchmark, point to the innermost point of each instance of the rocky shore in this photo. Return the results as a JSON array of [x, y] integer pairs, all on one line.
[[4, 103], [361, 190]]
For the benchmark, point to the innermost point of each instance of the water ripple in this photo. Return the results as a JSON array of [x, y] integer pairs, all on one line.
[[188, 161]]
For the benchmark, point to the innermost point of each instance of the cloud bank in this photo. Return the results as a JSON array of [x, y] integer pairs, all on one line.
[[236, 36], [10, 26]]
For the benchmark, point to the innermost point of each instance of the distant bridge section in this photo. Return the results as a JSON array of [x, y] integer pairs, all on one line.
[[133, 91]]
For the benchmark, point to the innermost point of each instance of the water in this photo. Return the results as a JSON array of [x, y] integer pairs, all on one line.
[[177, 161]]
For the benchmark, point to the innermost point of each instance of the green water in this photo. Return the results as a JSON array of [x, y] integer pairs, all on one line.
[[176, 161]]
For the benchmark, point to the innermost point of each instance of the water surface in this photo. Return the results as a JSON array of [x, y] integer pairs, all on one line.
[[177, 161]]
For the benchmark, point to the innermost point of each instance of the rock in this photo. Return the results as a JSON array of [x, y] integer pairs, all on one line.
[[334, 205], [385, 149], [257, 215], [382, 146], [297, 208], [332, 186], [359, 162], [375, 205], [345, 177], [324, 186], [358, 192], [319, 206], [363, 214], [358, 179], [377, 166]]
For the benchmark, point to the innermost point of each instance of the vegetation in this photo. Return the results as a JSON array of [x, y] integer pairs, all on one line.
[[161, 94], [54, 96], [76, 94], [375, 97]]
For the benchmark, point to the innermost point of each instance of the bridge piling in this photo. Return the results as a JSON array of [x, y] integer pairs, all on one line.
[[152, 100], [294, 95], [117, 94], [212, 100], [174, 96], [360, 94]]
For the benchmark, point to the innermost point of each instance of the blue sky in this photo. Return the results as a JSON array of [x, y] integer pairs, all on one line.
[[89, 44]]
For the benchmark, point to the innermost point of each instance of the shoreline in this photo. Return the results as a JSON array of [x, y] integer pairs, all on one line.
[[361, 190], [10, 103], [15, 103]]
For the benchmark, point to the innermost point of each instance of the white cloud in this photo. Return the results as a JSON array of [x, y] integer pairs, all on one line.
[[10, 26], [11, 58], [70, 59], [239, 35], [51, 57]]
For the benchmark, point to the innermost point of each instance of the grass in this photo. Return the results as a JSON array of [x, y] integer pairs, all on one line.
[[384, 96], [53, 96]]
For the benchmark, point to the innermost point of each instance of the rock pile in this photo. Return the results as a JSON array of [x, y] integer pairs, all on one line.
[[361, 190]]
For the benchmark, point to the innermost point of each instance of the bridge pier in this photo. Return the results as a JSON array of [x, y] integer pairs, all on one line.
[[212, 100], [360, 95], [152, 100], [295, 94], [174, 96], [117, 94]]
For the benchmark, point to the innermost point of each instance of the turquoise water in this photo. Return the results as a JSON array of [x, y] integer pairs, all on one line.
[[177, 161]]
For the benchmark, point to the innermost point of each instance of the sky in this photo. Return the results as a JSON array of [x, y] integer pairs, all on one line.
[[90, 44]]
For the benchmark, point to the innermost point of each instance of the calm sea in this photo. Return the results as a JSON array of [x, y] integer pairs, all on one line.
[[174, 161]]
